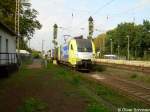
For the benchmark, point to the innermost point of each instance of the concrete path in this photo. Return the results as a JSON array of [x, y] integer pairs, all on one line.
[[36, 64]]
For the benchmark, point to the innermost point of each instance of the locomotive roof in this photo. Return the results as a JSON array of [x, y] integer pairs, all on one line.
[[84, 42], [83, 39], [79, 37]]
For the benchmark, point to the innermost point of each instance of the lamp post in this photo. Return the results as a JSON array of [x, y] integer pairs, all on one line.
[[43, 47], [111, 45], [118, 49], [128, 49]]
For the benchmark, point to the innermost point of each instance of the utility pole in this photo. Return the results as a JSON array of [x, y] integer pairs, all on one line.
[[103, 45], [91, 27], [17, 20], [128, 47], [42, 46]]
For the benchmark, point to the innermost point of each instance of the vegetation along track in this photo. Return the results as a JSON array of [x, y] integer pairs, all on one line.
[[125, 87]]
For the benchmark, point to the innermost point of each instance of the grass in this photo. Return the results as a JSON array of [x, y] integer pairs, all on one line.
[[134, 76], [77, 81], [112, 96], [33, 105], [137, 77], [98, 91], [144, 79], [95, 108], [35, 87]]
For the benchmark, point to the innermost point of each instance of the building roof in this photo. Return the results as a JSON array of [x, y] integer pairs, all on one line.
[[7, 29], [22, 51]]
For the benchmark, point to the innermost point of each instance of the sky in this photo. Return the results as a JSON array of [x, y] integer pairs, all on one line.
[[71, 16]]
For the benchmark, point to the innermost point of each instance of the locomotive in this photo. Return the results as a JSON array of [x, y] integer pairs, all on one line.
[[78, 53]]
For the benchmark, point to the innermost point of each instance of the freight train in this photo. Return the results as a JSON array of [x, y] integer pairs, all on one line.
[[77, 53]]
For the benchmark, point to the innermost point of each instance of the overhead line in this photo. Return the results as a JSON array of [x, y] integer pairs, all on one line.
[[99, 9]]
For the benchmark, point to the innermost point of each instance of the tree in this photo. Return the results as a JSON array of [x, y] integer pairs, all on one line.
[[28, 23], [146, 34], [28, 19], [99, 42], [139, 39], [7, 12]]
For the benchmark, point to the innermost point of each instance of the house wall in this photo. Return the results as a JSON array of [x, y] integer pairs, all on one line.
[[11, 42], [11, 47]]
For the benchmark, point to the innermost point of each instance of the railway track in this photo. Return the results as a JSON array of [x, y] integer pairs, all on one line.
[[125, 87]]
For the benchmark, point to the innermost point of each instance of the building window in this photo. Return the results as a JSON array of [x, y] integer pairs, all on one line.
[[0, 43], [6, 45], [0, 48]]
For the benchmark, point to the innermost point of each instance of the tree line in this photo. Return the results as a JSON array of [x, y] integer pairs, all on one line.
[[136, 37]]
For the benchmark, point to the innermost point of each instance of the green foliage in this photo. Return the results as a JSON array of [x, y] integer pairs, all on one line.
[[35, 54], [99, 42], [7, 10], [28, 20], [33, 105], [95, 108], [139, 39], [29, 23], [76, 80]]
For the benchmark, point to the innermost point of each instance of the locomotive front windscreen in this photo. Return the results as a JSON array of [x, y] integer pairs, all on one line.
[[84, 45]]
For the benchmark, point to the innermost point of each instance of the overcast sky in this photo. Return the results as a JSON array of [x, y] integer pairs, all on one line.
[[73, 16]]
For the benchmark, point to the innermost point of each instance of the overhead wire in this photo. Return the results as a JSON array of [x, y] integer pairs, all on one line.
[[97, 11], [129, 10]]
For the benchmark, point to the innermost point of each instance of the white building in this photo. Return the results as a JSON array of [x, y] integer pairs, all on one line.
[[8, 54]]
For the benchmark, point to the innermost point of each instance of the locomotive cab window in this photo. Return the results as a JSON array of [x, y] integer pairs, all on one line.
[[84, 45], [71, 47]]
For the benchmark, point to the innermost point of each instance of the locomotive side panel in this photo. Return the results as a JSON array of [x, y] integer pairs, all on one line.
[[64, 53], [72, 52]]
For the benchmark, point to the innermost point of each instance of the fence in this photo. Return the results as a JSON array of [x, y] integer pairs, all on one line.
[[8, 58], [125, 62]]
